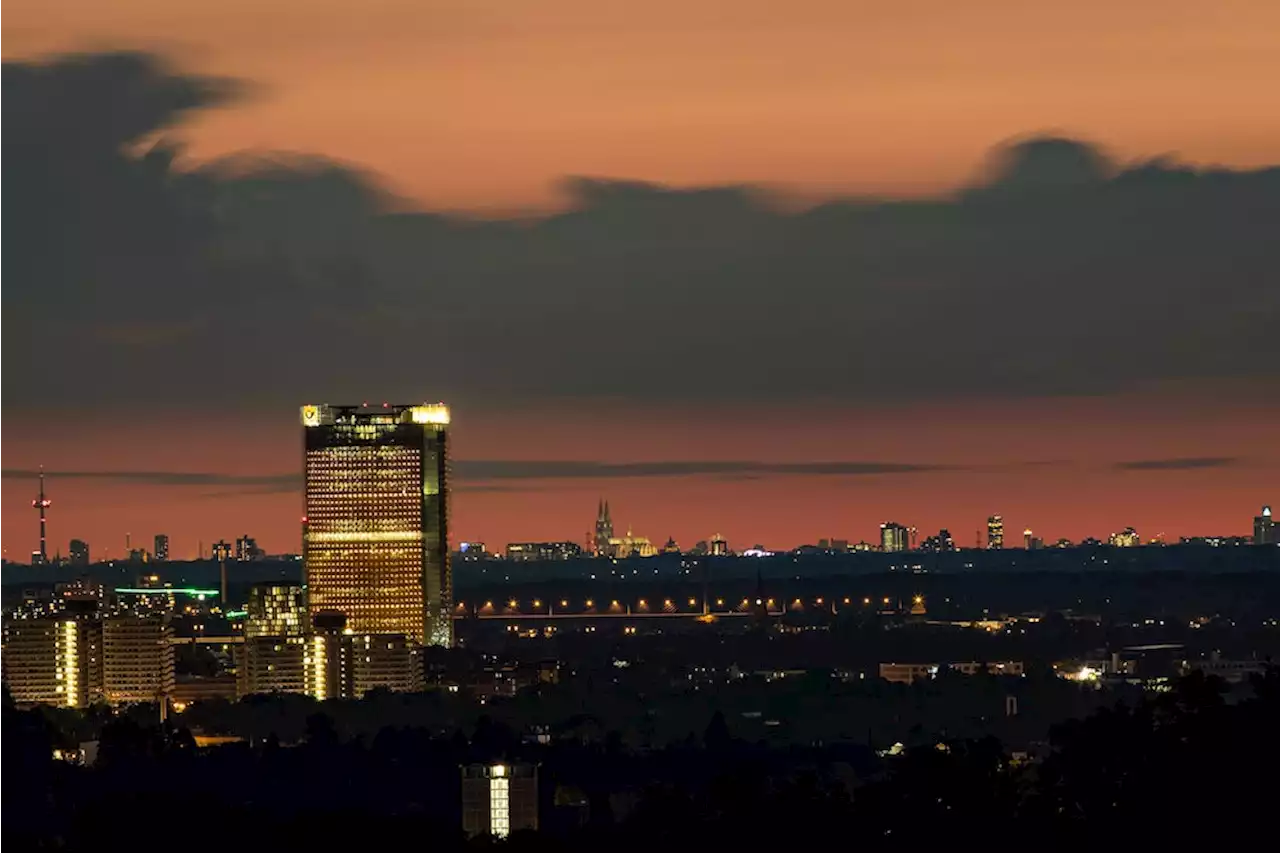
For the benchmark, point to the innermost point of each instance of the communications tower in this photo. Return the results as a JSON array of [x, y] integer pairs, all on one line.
[[41, 504]]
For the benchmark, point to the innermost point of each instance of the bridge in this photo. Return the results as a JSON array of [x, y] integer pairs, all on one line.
[[668, 608]]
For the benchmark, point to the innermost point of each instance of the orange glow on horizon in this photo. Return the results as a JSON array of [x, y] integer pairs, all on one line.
[[1052, 460]]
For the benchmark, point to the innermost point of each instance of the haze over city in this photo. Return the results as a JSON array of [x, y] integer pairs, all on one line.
[[852, 264]]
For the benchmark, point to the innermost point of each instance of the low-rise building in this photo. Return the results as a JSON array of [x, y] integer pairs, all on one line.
[[271, 665], [341, 665], [905, 673], [524, 551]]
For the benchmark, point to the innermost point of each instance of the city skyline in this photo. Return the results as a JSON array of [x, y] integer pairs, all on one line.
[[1079, 336], [855, 497], [591, 424]]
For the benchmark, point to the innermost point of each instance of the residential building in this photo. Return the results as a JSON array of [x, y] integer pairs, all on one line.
[[499, 799], [137, 659], [271, 665], [52, 661], [345, 665]]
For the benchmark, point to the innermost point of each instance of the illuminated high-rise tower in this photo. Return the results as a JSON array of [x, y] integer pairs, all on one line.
[[376, 540], [995, 532], [894, 537]]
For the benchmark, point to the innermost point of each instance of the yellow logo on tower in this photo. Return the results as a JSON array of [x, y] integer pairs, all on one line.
[[311, 416]]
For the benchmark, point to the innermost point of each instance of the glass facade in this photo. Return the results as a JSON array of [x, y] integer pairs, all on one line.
[[275, 610], [376, 518]]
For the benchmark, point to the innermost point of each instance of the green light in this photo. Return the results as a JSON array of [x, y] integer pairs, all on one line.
[[236, 614], [175, 590]]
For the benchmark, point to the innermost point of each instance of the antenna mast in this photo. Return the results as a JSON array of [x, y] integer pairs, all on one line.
[[41, 504]]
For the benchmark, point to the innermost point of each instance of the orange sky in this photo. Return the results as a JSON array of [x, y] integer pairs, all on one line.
[[485, 103], [1046, 464]]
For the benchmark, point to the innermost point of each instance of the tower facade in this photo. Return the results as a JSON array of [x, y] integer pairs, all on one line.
[[1264, 528], [137, 659], [376, 509], [604, 529], [894, 537], [276, 609], [995, 532], [41, 504]]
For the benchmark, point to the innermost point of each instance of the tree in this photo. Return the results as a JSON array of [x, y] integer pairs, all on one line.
[[716, 737]]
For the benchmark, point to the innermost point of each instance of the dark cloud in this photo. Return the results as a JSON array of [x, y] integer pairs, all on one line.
[[294, 485], [507, 470], [494, 475], [257, 280], [1183, 463], [489, 474], [162, 478]]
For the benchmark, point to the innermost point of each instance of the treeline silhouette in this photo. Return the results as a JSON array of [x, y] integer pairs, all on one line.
[[1187, 767]]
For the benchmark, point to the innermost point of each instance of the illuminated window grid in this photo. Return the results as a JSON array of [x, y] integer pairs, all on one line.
[[364, 537], [499, 806], [68, 664]]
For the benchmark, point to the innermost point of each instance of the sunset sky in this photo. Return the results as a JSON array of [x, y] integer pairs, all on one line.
[[1072, 334], [487, 103]]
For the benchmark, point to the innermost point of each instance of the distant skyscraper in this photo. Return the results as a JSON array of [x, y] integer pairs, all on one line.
[[1264, 528], [247, 549], [719, 546], [604, 529], [944, 541], [376, 541], [894, 537], [221, 550], [161, 552], [79, 552], [995, 532]]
